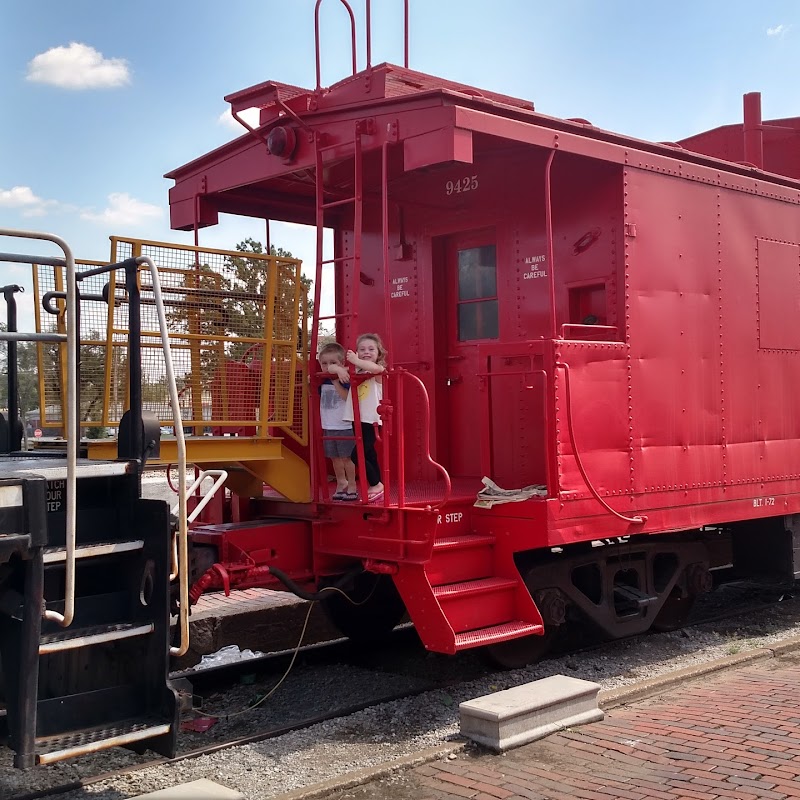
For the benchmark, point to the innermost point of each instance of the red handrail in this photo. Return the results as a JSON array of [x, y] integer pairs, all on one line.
[[352, 37], [640, 519], [426, 427], [369, 35]]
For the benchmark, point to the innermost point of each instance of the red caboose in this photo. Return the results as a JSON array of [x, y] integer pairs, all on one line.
[[609, 320]]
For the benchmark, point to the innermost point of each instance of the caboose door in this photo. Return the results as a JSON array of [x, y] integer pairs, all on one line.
[[472, 318]]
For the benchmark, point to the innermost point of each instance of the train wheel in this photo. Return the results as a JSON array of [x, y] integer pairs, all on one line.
[[674, 613], [518, 653], [372, 611]]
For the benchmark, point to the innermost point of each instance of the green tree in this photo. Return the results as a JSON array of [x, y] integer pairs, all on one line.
[[27, 376], [246, 281]]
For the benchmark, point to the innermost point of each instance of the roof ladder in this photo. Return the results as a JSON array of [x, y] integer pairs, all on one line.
[[338, 262]]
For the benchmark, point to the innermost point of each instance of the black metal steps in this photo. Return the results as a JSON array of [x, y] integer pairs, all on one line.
[[72, 638], [50, 749], [56, 555]]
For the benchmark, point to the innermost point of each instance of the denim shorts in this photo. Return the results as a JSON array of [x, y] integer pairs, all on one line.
[[338, 448]]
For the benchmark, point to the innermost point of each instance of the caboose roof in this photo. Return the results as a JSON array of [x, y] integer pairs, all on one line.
[[242, 177], [781, 144]]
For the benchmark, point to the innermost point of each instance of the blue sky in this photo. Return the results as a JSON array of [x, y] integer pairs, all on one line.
[[100, 99]]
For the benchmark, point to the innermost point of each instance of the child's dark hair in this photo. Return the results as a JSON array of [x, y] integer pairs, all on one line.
[[332, 347], [382, 351]]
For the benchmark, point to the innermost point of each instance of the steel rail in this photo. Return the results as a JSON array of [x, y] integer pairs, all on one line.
[[251, 665]]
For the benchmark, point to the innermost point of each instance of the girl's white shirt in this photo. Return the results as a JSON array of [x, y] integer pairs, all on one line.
[[370, 394]]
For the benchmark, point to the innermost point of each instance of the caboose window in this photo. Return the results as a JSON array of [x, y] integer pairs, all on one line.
[[477, 293]]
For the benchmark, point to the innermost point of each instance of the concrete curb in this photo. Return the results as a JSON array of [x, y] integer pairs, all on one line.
[[369, 774], [607, 698]]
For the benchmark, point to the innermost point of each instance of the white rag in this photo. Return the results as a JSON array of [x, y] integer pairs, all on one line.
[[492, 494]]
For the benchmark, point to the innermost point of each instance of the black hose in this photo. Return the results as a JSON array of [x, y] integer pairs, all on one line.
[[311, 596]]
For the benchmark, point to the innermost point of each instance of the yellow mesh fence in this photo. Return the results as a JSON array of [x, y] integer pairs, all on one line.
[[51, 359], [236, 322]]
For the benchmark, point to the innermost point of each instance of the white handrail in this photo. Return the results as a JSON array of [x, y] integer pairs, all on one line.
[[221, 476], [73, 432], [183, 546]]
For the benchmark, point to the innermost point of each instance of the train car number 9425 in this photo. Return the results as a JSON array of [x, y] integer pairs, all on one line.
[[469, 183]]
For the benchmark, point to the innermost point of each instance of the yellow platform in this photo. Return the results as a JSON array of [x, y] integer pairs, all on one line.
[[253, 461], [201, 449]]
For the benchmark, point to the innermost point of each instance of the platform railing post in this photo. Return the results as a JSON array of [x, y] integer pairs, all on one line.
[[183, 542], [14, 439], [71, 417]]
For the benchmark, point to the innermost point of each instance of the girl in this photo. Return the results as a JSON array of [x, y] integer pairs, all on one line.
[[370, 356]]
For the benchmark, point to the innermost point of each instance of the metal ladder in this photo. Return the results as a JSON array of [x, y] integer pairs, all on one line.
[[337, 262]]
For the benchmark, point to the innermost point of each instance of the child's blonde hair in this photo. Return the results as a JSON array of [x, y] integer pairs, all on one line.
[[332, 347], [382, 351]]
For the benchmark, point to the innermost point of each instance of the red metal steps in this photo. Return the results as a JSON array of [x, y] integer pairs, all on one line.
[[497, 634], [468, 594], [460, 558]]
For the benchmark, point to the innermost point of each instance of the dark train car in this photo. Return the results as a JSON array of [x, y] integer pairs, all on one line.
[[600, 319], [84, 572]]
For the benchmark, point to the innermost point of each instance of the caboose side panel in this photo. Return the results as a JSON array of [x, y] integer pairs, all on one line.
[[474, 276], [761, 375], [672, 292]]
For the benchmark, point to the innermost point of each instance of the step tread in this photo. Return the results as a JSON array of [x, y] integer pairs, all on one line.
[[54, 555], [463, 541], [94, 634], [496, 633], [474, 587], [88, 740]]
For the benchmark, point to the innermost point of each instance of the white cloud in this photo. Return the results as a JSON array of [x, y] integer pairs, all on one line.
[[23, 198], [123, 209], [249, 115], [78, 66], [778, 30]]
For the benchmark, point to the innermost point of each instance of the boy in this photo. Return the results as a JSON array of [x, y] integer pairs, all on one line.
[[332, 401]]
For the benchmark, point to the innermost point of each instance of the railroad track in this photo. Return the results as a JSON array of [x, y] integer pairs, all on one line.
[[401, 655]]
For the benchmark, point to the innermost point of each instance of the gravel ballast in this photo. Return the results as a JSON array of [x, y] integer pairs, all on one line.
[[395, 729]]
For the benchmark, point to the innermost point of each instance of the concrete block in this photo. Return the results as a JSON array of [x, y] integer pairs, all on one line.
[[525, 713], [195, 790]]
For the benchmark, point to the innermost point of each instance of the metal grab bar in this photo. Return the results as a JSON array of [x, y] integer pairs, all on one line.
[[352, 37], [637, 520], [221, 476], [183, 546], [599, 329], [6, 336], [48, 297], [426, 427], [14, 438], [72, 431], [369, 35]]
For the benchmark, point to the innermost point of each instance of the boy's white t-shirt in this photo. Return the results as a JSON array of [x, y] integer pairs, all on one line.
[[332, 408]]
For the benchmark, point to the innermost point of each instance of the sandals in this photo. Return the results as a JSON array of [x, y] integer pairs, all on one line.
[[341, 494]]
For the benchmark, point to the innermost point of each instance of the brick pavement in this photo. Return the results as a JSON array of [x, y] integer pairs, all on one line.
[[735, 734]]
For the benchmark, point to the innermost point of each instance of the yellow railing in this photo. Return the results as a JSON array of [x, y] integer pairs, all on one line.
[[51, 359], [237, 332]]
